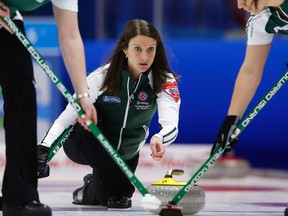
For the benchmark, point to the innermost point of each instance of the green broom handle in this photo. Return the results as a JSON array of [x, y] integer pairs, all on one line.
[[59, 142], [219, 151], [65, 92]]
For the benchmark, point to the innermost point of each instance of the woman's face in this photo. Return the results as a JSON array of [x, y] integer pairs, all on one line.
[[140, 53]]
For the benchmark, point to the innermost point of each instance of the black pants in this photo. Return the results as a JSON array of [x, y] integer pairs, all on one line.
[[17, 83], [83, 148]]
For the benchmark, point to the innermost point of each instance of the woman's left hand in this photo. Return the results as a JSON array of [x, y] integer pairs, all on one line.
[[157, 148], [4, 12], [90, 113], [256, 6]]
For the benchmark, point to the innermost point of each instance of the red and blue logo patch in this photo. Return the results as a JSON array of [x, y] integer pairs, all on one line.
[[142, 96], [171, 88]]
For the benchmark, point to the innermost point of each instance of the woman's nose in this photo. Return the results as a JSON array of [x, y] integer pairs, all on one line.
[[144, 56]]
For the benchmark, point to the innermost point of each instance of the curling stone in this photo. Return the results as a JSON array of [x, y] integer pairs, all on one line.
[[217, 170], [235, 167], [165, 190]]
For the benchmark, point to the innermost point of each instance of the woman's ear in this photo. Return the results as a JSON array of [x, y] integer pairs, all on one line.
[[125, 52]]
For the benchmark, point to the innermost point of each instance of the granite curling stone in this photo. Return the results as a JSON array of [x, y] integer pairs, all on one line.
[[235, 167], [165, 190]]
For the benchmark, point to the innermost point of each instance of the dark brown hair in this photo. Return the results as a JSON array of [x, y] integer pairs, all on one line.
[[160, 67]]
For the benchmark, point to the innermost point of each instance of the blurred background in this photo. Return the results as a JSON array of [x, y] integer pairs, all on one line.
[[100, 19], [205, 41]]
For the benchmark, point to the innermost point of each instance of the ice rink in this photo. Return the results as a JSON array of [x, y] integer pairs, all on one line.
[[251, 195], [230, 190]]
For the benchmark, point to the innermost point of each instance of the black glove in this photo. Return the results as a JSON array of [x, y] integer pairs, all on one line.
[[227, 129], [43, 167]]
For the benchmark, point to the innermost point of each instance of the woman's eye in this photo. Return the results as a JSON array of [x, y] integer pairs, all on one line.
[[151, 49], [138, 49]]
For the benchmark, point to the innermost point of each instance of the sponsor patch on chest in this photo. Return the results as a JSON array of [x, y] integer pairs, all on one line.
[[142, 101], [142, 96], [111, 99], [171, 88]]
